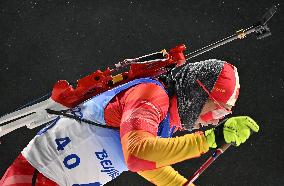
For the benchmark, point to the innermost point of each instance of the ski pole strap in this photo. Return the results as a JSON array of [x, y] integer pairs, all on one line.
[[63, 113], [209, 161]]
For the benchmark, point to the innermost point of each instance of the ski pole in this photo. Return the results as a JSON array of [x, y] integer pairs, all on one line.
[[208, 162], [211, 159]]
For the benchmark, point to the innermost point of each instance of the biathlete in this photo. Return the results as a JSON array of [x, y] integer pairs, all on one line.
[[145, 112]]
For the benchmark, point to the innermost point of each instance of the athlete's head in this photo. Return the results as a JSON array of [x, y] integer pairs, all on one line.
[[206, 92]]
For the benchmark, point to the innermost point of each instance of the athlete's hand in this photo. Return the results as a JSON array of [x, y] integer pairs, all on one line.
[[236, 130]]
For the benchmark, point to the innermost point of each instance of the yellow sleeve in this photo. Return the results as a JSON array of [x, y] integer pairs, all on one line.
[[164, 176], [161, 151]]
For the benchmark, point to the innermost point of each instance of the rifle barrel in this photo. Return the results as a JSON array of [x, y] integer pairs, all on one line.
[[221, 42], [239, 34]]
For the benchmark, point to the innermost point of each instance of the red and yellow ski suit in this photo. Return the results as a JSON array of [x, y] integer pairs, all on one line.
[[138, 112]]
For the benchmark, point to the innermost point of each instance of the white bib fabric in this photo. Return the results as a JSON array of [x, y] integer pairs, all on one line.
[[73, 154]]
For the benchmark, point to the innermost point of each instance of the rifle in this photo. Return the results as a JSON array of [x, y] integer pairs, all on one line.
[[64, 97]]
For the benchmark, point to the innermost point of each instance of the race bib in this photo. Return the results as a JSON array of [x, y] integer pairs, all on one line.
[[73, 153]]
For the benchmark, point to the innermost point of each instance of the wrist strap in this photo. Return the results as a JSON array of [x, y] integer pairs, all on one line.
[[219, 136]]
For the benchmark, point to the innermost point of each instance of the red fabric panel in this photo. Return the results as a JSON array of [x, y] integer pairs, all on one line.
[[174, 116], [136, 164], [134, 97], [149, 102], [20, 173]]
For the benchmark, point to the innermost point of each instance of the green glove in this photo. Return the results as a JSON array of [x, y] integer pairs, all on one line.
[[236, 130], [210, 138]]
